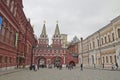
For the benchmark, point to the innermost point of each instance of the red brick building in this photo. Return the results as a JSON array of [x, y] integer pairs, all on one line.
[[16, 35], [73, 48], [53, 54]]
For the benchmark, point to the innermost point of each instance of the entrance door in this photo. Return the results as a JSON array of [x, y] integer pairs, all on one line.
[[57, 61], [41, 62]]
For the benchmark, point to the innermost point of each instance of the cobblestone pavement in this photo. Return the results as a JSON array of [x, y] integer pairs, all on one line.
[[64, 74]]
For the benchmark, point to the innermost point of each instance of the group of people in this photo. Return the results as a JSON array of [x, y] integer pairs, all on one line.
[[59, 66], [69, 66], [114, 66], [34, 67]]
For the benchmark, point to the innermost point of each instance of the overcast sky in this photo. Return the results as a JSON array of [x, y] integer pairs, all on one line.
[[76, 17]]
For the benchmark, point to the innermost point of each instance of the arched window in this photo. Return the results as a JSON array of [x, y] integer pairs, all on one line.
[[105, 39], [111, 59], [103, 60], [113, 38], [1, 59], [106, 59], [15, 12], [8, 34], [12, 6], [6, 59], [98, 42], [3, 31], [90, 45], [102, 40], [8, 2], [12, 37], [118, 33], [3, 28], [108, 38]]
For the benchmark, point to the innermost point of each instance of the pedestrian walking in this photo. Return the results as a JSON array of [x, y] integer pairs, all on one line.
[[113, 66], [116, 65], [70, 66], [103, 65], [67, 66], [36, 67], [94, 66], [81, 67]]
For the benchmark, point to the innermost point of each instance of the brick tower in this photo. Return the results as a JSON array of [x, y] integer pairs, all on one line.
[[56, 40], [43, 40]]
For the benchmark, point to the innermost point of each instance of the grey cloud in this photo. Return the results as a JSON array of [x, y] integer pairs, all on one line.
[[76, 17]]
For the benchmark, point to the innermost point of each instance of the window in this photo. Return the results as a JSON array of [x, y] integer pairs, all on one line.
[[102, 40], [108, 38], [93, 44], [106, 59], [12, 38], [105, 40], [118, 33], [8, 2], [15, 11], [10, 60], [12, 6], [6, 58], [113, 37], [115, 59], [90, 45], [3, 31], [110, 59], [3, 28], [0, 59], [7, 35], [98, 42]]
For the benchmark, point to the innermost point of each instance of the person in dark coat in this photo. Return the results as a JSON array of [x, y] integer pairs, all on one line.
[[116, 65], [103, 65], [81, 67]]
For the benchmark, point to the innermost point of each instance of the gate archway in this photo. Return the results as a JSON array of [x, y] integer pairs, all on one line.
[[57, 61], [42, 62], [72, 63]]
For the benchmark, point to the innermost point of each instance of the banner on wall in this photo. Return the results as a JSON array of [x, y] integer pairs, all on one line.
[[1, 22]]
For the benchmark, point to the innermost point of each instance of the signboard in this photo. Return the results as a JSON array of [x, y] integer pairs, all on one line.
[[0, 22]]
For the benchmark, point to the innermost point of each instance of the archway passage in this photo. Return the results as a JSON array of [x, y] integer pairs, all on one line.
[[42, 62], [72, 63], [57, 61]]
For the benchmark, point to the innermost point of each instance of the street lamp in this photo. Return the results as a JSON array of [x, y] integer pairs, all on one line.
[[82, 48]]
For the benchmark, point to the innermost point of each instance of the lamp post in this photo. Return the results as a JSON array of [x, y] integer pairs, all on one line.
[[82, 49], [99, 47]]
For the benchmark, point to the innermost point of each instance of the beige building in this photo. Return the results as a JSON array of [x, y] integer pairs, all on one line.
[[64, 40], [103, 46]]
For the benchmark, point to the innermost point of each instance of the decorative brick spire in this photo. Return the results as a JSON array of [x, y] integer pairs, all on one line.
[[56, 37], [57, 31], [43, 34], [43, 40]]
